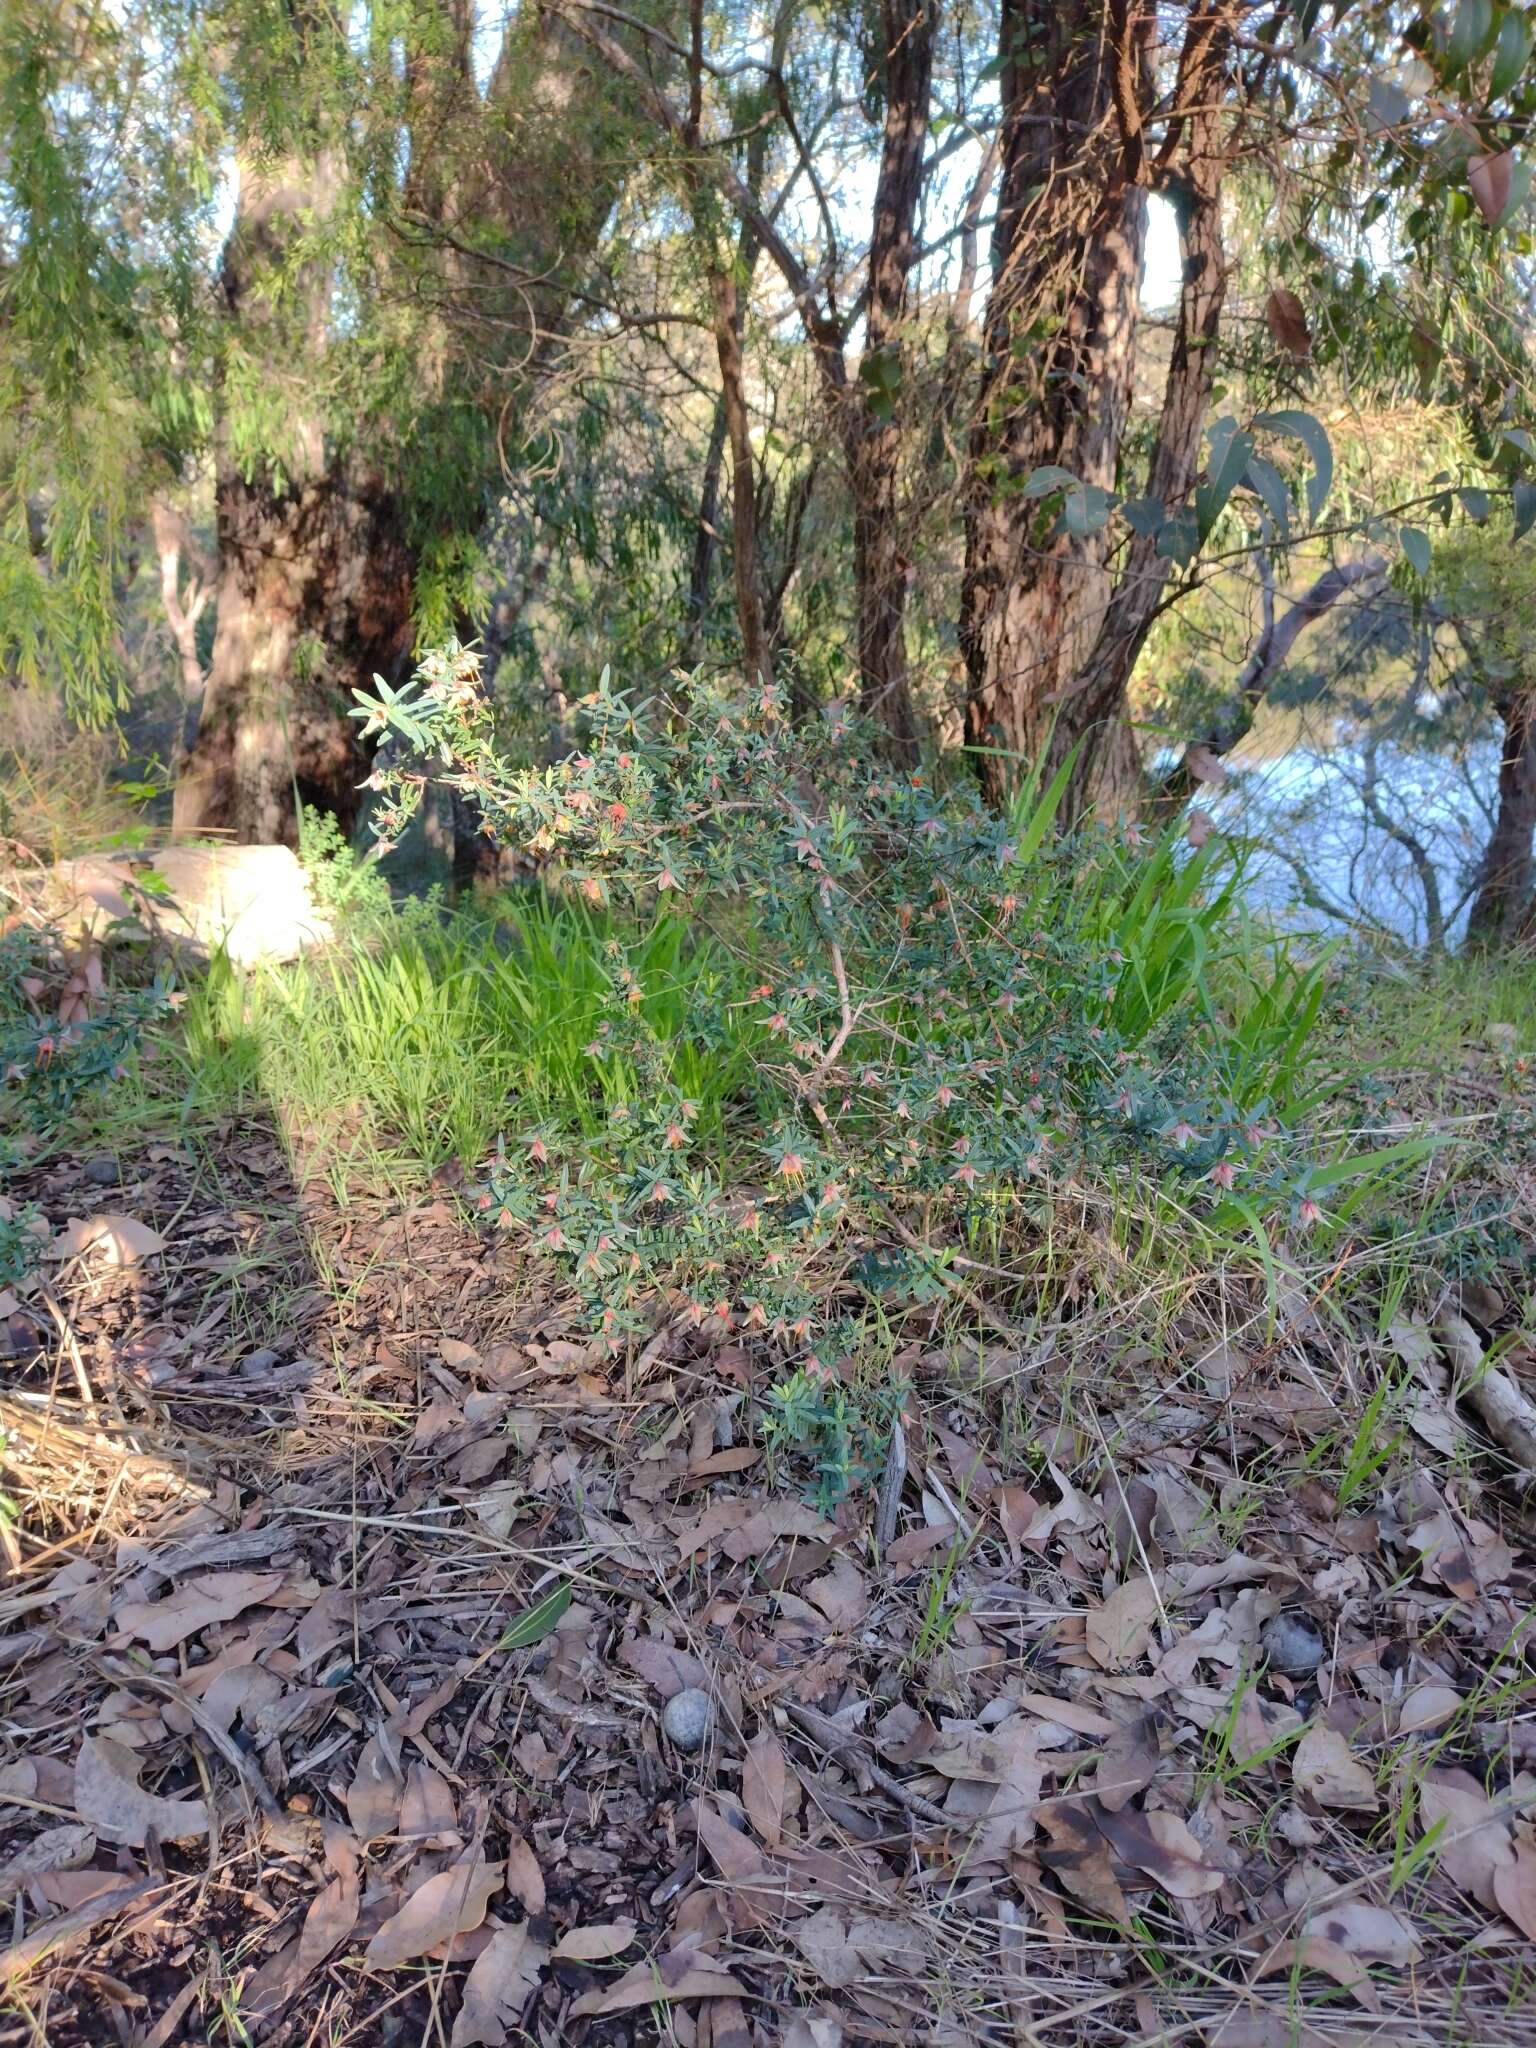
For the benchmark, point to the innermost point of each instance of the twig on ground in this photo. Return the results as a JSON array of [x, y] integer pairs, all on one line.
[[852, 1749]]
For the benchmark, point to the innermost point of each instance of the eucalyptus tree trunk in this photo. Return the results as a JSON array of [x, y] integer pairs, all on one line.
[[1504, 908], [874, 438], [492, 207], [314, 585], [1052, 620]]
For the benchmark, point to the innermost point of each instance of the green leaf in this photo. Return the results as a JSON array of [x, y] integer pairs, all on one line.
[[1144, 515], [1469, 31], [1230, 449], [1179, 537], [1474, 503], [536, 1622], [1267, 485], [1511, 53], [1050, 476], [1356, 1164], [1086, 509], [1525, 508], [1304, 427], [1417, 549]]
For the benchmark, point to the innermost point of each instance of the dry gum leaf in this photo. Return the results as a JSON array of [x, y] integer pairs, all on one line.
[[505, 1976], [677, 1975], [1119, 1631], [109, 1798], [195, 1605], [594, 1944], [1325, 1767], [451, 1903]]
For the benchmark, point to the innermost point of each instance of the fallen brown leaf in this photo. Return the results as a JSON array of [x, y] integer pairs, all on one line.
[[505, 1976], [109, 1798], [680, 1973], [196, 1604], [525, 1880], [1325, 1767], [61, 1848], [764, 1784], [1475, 1843], [596, 1944], [123, 1240], [663, 1665], [1514, 1889], [1079, 1857], [450, 1903], [1119, 1631]]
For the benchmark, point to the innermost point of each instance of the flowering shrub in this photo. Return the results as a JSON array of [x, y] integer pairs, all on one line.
[[954, 1007]]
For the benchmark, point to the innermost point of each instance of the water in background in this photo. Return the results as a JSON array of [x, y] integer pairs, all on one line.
[[1324, 860]]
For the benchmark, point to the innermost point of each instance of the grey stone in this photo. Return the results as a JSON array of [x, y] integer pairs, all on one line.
[[688, 1719], [101, 1170], [1293, 1643]]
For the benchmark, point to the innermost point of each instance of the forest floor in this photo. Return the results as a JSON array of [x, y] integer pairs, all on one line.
[[329, 1525]]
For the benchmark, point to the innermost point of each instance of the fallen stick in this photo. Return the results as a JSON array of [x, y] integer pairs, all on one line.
[[1493, 1395]]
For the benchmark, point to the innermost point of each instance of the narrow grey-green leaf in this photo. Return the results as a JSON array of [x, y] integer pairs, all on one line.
[[1416, 549], [534, 1623], [1268, 486], [1511, 53], [1306, 428]]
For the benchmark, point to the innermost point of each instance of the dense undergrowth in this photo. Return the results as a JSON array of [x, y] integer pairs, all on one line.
[[862, 1056]]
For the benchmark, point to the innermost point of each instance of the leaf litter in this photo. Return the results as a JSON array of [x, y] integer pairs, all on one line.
[[335, 1668]]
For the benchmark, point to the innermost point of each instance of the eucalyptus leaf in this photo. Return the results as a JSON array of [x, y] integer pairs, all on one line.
[[1308, 429], [1416, 549], [1268, 486], [536, 1622]]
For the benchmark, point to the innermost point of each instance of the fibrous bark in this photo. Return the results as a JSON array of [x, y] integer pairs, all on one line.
[[1054, 619]]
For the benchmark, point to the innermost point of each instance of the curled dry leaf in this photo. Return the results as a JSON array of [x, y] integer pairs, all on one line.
[[525, 1880], [681, 1973], [497, 1990], [1119, 1631], [663, 1665], [451, 1903], [1325, 1767], [1474, 1842], [122, 1240], [62, 1848], [196, 1604], [1491, 178], [764, 1784], [594, 1944], [1286, 318], [109, 1798]]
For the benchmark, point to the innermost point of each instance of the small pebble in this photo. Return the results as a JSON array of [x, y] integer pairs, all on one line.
[[101, 1170], [688, 1718], [1293, 1643]]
